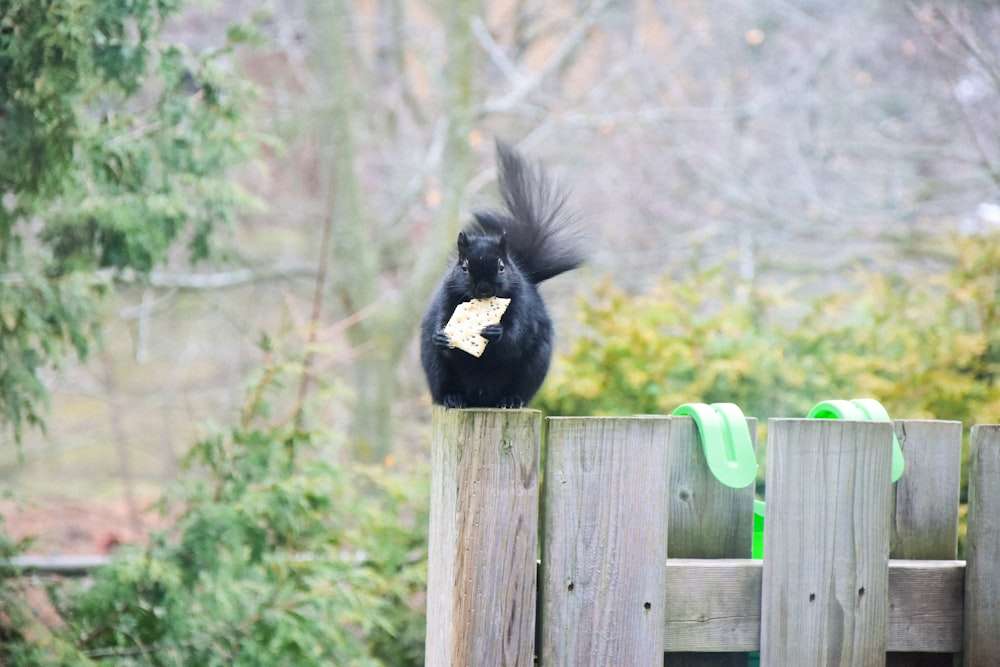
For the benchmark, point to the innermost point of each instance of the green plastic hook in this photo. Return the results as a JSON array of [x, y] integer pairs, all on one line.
[[726, 441], [861, 409]]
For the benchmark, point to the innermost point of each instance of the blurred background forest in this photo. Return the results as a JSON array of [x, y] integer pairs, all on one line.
[[787, 201], [785, 144]]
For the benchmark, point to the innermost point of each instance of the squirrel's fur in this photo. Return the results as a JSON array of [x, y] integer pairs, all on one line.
[[502, 254]]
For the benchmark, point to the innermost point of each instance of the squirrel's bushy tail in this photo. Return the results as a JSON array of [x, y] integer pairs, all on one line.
[[541, 232]]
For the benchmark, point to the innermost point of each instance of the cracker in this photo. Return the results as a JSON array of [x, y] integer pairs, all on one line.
[[469, 319]]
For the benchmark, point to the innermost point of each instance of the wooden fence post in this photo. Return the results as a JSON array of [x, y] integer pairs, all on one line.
[[707, 520], [982, 572], [604, 541], [481, 591], [826, 578]]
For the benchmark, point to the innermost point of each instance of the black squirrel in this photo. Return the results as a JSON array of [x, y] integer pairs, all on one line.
[[502, 254]]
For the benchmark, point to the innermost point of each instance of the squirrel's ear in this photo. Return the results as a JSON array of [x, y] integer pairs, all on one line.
[[503, 245], [463, 245]]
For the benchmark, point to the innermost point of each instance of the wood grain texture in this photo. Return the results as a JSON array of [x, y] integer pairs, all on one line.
[[982, 579], [716, 605], [608, 595], [481, 588], [825, 581], [925, 608], [925, 513], [707, 520], [712, 605], [604, 543]]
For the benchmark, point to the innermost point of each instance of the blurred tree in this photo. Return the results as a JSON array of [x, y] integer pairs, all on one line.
[[927, 347], [966, 35], [114, 149], [795, 139], [269, 556], [378, 93], [361, 231]]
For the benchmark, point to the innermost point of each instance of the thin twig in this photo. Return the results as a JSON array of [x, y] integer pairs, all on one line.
[[984, 157], [566, 50], [317, 308]]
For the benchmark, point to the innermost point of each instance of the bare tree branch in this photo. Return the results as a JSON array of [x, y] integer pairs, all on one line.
[[496, 54], [971, 46], [215, 280], [570, 44]]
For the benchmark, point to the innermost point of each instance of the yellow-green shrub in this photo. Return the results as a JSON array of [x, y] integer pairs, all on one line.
[[927, 346]]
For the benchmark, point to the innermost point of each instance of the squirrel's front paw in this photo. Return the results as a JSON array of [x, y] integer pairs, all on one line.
[[442, 340], [492, 332], [511, 402]]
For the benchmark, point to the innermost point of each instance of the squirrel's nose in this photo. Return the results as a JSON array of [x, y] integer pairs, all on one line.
[[484, 290]]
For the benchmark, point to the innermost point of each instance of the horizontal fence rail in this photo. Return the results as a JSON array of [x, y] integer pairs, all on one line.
[[645, 558], [61, 566]]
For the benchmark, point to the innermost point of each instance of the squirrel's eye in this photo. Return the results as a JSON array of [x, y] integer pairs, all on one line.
[[464, 265], [500, 266]]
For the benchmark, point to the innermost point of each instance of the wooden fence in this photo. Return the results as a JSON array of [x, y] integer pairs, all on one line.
[[645, 557]]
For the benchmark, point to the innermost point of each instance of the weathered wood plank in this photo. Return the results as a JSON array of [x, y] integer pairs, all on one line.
[[925, 607], [601, 475], [926, 498], [62, 566], [925, 510], [825, 582], [707, 520], [715, 605], [481, 588], [982, 578], [604, 541]]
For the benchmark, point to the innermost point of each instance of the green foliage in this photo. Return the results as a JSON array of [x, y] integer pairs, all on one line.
[[682, 342], [16, 618], [114, 147], [38, 318], [275, 558], [927, 347]]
